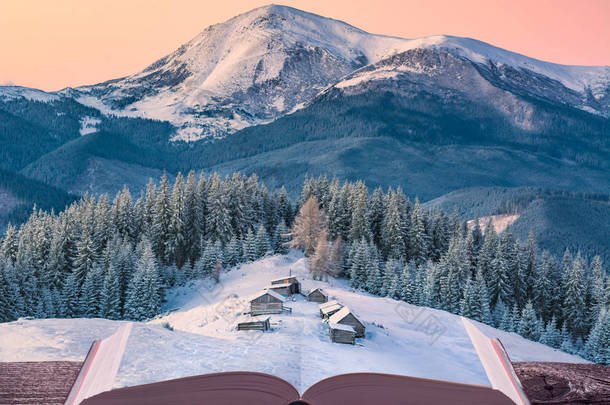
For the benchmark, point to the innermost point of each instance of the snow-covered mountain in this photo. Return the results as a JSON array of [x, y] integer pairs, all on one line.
[[297, 349], [272, 60], [250, 69]]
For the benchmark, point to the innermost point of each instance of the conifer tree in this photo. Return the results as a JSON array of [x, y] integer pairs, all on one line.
[[161, 218], [376, 208], [359, 265], [143, 299], [262, 241], [597, 347], [574, 298], [391, 233], [250, 249], [360, 228], [528, 323], [110, 295], [551, 335]]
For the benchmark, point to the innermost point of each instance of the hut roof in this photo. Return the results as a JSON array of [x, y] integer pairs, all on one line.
[[283, 285], [269, 292], [339, 326], [331, 308], [248, 318], [339, 315], [321, 291], [328, 304], [285, 278]]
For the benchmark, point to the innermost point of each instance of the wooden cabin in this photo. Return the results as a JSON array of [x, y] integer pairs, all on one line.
[[317, 295], [284, 290], [345, 317], [266, 302], [295, 285], [340, 333], [327, 311], [254, 323]]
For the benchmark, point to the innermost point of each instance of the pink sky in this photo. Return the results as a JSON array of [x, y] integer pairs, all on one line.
[[54, 44]]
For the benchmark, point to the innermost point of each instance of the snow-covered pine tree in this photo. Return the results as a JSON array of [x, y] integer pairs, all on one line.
[[376, 208], [574, 298], [391, 232], [597, 285], [9, 245], [176, 243], [528, 323], [250, 249], [262, 241], [218, 221], [143, 298], [597, 347], [110, 295], [359, 264], [406, 292], [89, 304], [86, 255], [233, 252], [551, 335], [360, 228], [418, 240], [161, 218]]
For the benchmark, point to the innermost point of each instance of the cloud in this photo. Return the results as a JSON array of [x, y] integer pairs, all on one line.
[[8, 83]]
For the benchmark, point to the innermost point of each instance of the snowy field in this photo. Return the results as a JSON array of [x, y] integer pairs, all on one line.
[[400, 338]]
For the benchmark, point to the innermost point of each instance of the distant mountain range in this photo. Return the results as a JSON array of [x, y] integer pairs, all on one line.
[[284, 93]]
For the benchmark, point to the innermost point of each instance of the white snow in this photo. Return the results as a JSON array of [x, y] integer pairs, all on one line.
[[88, 125], [400, 338], [14, 92]]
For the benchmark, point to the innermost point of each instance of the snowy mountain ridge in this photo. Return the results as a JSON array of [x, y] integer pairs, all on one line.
[[273, 60]]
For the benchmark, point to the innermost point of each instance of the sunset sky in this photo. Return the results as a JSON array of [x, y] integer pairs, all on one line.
[[54, 44]]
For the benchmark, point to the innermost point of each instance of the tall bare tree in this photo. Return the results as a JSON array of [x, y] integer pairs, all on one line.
[[309, 226]]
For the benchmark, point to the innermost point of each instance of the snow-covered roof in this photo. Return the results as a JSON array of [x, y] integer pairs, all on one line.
[[270, 292], [327, 304], [283, 285], [318, 289], [284, 278], [339, 315], [248, 318], [339, 326], [334, 307]]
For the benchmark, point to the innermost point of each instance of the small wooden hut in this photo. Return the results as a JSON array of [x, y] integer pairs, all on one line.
[[254, 323], [327, 311], [345, 317], [340, 333], [317, 295], [266, 302], [295, 287]]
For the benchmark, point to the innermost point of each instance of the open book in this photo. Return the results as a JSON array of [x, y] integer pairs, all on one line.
[[233, 388]]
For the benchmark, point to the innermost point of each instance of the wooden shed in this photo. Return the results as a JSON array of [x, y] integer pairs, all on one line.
[[266, 302], [295, 285], [317, 295], [340, 333], [345, 317], [327, 311], [284, 290], [254, 323]]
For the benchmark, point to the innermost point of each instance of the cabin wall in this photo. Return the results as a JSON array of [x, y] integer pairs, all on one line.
[[352, 321]]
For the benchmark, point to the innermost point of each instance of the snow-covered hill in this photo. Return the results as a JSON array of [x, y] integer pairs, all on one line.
[[272, 60], [400, 338]]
